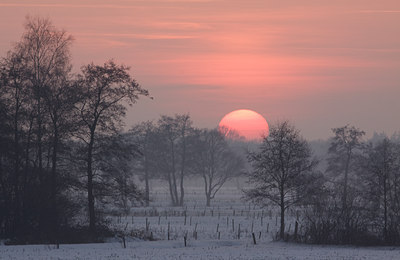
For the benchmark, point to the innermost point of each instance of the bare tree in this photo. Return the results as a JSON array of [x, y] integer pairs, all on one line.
[[46, 59], [173, 133], [15, 105], [115, 183], [105, 89], [215, 161], [37, 66], [380, 173], [282, 170], [346, 147], [144, 136]]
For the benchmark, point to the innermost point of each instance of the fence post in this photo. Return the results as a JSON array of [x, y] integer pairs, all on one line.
[[254, 239], [168, 230]]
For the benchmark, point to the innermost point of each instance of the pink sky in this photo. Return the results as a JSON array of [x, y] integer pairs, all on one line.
[[320, 64]]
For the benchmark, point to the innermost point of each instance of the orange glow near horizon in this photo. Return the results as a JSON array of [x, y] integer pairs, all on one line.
[[246, 123]]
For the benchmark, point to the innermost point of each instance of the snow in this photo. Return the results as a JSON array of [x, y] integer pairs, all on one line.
[[200, 249], [226, 207]]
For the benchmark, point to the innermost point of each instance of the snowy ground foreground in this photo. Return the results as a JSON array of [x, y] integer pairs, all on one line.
[[217, 249], [228, 214]]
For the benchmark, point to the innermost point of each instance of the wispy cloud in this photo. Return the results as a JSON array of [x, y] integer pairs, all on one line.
[[379, 11], [139, 36], [91, 6]]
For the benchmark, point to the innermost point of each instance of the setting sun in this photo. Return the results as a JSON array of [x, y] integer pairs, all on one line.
[[246, 123]]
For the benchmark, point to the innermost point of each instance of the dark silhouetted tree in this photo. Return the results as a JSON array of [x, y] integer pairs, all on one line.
[[114, 183], [282, 170], [105, 89], [344, 151], [33, 73], [173, 134], [215, 161], [380, 172], [144, 136]]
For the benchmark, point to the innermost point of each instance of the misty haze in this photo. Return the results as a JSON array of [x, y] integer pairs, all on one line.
[[201, 129]]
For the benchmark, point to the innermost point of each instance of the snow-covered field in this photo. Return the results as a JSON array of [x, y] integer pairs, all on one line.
[[200, 249], [223, 231]]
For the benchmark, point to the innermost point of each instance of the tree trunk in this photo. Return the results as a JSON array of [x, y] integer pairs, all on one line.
[[25, 175], [385, 217], [92, 219], [346, 174], [171, 193], [39, 137], [345, 209], [182, 192], [182, 171], [54, 183], [147, 188], [282, 205], [175, 199], [16, 199]]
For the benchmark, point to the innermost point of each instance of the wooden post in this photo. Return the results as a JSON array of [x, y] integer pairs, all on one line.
[[195, 228], [184, 239], [295, 230], [123, 241], [219, 235], [233, 225], [217, 227], [239, 232], [168, 230], [254, 239]]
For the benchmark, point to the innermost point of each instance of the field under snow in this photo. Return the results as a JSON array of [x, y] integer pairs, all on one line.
[[223, 231], [200, 249]]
